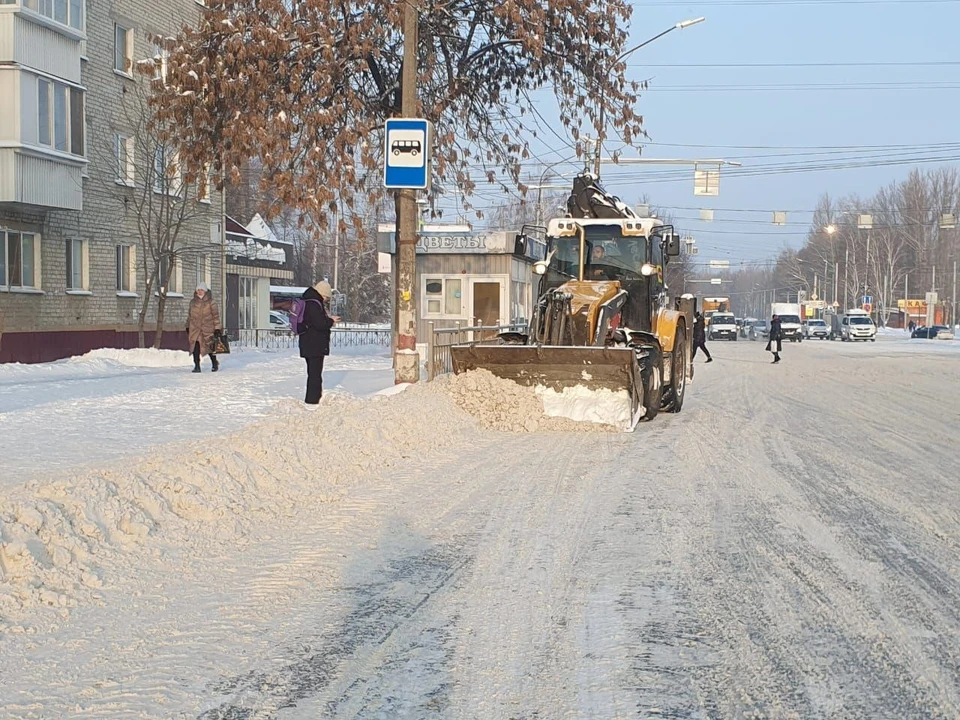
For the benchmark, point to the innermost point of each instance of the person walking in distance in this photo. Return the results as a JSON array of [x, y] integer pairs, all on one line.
[[700, 337], [776, 336], [315, 337], [203, 325]]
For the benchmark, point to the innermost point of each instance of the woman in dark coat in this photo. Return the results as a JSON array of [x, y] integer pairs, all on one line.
[[315, 338], [776, 335]]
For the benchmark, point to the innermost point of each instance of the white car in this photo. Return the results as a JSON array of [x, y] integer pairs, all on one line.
[[857, 327], [723, 326], [279, 320], [816, 329]]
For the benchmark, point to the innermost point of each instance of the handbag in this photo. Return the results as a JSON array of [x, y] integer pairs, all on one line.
[[219, 345]]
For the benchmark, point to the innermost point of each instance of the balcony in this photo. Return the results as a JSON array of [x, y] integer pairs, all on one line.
[[42, 139], [32, 40], [31, 178]]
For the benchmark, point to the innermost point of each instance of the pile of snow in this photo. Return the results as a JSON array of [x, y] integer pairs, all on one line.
[[603, 406], [61, 541], [500, 404]]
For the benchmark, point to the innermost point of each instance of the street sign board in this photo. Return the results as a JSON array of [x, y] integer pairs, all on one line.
[[867, 300], [716, 281], [407, 153], [868, 307], [706, 182]]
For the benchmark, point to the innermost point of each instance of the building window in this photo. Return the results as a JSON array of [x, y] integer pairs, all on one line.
[[123, 149], [60, 116], [77, 122], [204, 184], [77, 265], [443, 297], [65, 12], [43, 110], [126, 268], [161, 58], [122, 49], [169, 276], [19, 264], [248, 303], [203, 270], [166, 171]]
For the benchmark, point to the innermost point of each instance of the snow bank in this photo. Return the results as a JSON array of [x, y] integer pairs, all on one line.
[[96, 362], [61, 542], [140, 357], [500, 404]]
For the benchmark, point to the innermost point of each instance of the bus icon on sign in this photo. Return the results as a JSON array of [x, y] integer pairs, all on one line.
[[412, 147]]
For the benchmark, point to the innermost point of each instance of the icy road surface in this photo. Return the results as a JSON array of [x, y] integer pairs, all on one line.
[[786, 547]]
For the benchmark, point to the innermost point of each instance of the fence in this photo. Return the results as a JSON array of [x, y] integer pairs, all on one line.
[[439, 342], [281, 339]]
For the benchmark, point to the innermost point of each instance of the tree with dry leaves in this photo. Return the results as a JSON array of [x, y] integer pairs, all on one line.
[[304, 87]]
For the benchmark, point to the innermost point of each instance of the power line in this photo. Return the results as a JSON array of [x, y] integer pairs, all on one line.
[[804, 147], [721, 3], [818, 87], [930, 63]]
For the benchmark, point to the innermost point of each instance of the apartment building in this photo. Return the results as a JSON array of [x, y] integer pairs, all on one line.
[[74, 169]]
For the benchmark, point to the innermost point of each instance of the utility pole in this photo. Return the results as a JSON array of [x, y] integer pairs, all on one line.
[[336, 255], [836, 280], [406, 360], [846, 275], [906, 300], [954, 298]]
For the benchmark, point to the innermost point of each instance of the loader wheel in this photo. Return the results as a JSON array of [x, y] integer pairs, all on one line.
[[652, 389], [673, 395]]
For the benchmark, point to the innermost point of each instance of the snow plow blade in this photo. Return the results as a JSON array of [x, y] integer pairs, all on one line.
[[555, 366]]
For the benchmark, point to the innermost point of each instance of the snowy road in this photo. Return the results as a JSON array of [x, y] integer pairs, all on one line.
[[787, 547]]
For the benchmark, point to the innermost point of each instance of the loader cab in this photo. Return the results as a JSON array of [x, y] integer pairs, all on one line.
[[631, 251]]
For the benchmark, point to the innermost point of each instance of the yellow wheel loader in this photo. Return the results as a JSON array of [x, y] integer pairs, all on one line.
[[602, 319]]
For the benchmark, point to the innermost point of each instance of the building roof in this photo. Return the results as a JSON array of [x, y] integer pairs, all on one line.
[[235, 228], [258, 228]]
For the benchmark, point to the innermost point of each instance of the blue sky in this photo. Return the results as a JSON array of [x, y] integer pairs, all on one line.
[[783, 33]]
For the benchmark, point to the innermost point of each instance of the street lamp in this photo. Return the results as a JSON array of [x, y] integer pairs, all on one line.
[[602, 125]]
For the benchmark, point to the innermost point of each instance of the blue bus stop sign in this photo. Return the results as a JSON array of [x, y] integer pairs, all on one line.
[[407, 153]]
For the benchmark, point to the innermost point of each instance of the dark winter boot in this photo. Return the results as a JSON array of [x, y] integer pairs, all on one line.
[[196, 367], [216, 363], [776, 358]]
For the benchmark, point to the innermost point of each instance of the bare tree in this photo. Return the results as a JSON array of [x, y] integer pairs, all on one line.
[[159, 194]]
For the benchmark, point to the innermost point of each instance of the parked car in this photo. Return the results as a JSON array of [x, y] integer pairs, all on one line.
[[929, 333], [760, 330], [279, 320], [745, 326], [816, 329]]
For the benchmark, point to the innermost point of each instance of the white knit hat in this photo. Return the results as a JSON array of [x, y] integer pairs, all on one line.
[[202, 286], [323, 287]]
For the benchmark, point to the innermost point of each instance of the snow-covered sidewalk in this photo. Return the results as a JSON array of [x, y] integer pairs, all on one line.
[[113, 404]]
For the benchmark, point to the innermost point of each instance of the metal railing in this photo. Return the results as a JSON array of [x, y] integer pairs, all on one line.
[[440, 340], [282, 339]]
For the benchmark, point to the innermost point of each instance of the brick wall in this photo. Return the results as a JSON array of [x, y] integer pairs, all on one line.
[[109, 216]]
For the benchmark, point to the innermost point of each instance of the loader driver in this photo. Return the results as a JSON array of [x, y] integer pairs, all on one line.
[[599, 268]]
